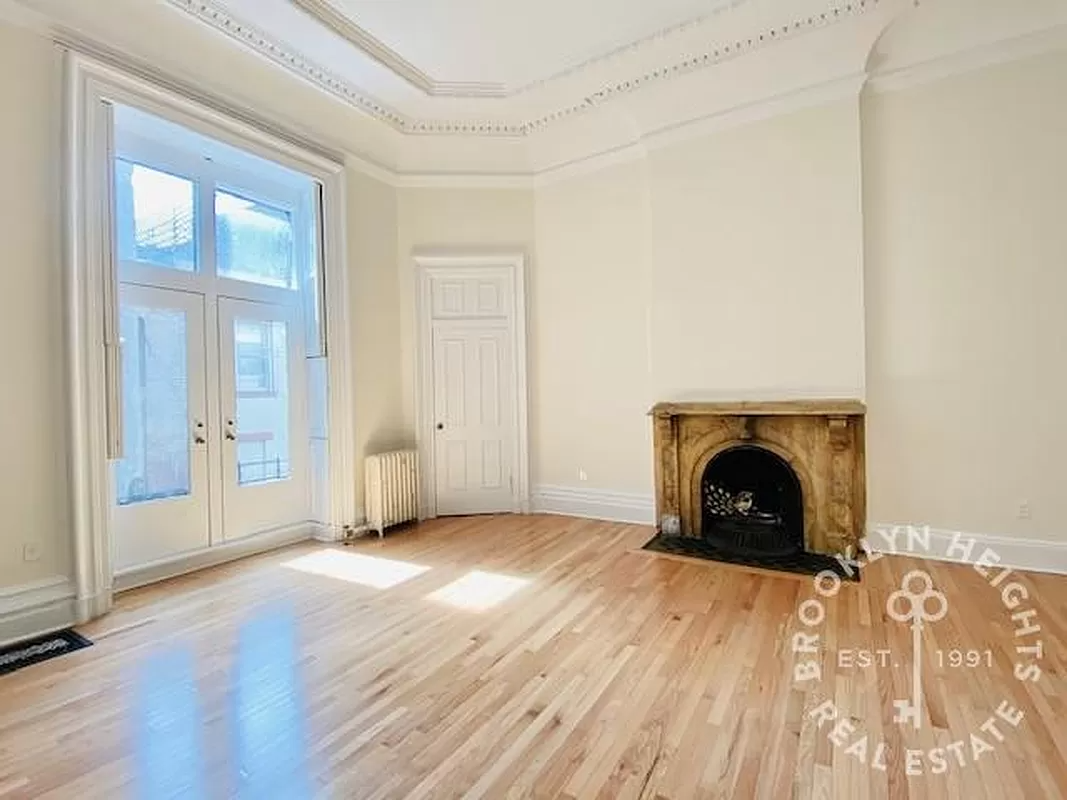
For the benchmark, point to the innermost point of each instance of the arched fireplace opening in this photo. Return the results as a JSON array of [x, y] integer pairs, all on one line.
[[751, 503]]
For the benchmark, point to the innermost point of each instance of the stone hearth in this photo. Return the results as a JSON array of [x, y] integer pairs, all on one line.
[[820, 441]]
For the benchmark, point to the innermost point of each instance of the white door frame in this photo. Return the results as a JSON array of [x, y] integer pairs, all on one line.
[[428, 264], [92, 86]]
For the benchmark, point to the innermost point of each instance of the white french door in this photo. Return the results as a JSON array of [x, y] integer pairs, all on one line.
[[474, 413], [263, 417], [218, 299], [162, 490]]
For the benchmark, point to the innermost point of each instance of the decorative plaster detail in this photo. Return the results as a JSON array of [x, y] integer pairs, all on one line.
[[325, 14], [209, 12], [710, 57], [217, 17]]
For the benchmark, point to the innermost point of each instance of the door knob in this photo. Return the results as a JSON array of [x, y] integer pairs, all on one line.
[[440, 426]]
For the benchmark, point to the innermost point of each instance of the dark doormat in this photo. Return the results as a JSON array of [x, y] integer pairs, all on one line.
[[799, 562], [43, 648]]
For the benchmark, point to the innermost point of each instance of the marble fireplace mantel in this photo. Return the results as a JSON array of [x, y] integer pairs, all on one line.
[[823, 441]]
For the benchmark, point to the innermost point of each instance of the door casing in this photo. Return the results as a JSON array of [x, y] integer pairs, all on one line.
[[431, 267]]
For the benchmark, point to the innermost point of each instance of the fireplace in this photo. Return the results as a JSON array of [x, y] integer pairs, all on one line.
[[751, 503], [776, 484]]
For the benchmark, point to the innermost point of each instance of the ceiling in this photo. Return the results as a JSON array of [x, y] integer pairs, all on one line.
[[492, 92], [504, 46], [505, 67]]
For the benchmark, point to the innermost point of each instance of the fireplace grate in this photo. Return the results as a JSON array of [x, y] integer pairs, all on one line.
[[801, 562]]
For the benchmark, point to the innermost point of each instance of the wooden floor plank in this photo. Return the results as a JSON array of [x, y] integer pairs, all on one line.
[[530, 657]]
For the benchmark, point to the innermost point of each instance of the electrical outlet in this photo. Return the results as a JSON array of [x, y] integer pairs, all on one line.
[[1024, 509], [31, 551], [581, 475]]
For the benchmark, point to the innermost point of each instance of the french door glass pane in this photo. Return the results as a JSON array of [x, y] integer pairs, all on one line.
[[254, 241], [155, 405], [262, 381], [155, 217]]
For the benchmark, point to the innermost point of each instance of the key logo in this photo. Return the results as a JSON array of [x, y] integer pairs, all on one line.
[[918, 603], [917, 607]]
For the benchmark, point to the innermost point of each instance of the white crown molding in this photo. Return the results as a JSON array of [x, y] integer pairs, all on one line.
[[832, 91], [526, 173], [324, 12], [466, 180], [970, 59], [326, 15], [217, 17], [124, 65], [587, 165], [848, 87]]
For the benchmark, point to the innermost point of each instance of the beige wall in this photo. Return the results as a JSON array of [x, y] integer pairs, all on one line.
[[727, 266], [456, 220], [966, 202], [589, 338], [34, 488], [758, 260], [911, 249], [375, 305], [740, 263]]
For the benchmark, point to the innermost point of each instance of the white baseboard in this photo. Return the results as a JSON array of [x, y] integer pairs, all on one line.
[[594, 504], [1033, 555], [36, 608], [327, 534], [213, 556], [945, 545]]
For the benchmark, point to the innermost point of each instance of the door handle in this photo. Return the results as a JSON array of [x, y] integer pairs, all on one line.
[[440, 426], [198, 433], [231, 431]]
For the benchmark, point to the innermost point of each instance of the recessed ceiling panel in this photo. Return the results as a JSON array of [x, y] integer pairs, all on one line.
[[513, 43]]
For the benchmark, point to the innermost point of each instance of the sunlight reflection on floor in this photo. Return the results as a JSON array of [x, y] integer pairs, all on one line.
[[477, 590], [373, 571]]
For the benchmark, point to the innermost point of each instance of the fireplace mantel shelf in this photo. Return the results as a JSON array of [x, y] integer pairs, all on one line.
[[783, 408]]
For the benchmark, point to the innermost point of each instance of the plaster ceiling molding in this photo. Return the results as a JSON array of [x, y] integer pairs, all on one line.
[[363, 69], [944, 37], [327, 13], [345, 27], [265, 45], [715, 53]]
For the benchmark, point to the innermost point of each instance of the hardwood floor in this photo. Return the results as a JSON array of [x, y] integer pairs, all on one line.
[[535, 657]]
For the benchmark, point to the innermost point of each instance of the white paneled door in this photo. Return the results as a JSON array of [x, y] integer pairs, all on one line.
[[162, 482], [474, 409]]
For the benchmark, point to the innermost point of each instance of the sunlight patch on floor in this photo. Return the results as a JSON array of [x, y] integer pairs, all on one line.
[[373, 571], [478, 591]]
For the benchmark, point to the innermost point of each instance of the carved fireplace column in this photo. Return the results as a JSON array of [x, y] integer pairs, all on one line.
[[668, 491]]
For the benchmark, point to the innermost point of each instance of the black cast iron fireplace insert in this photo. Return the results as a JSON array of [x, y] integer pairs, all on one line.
[[751, 503], [752, 514]]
